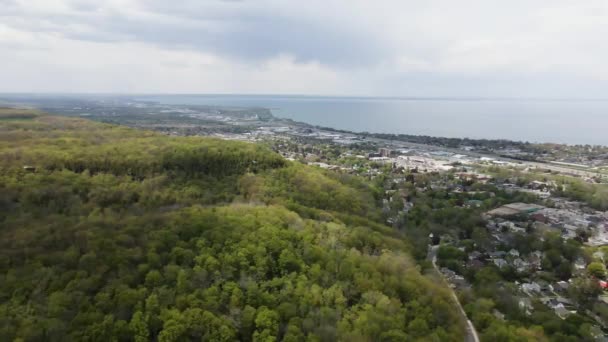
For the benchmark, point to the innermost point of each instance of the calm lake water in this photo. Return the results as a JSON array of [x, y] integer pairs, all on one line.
[[561, 121]]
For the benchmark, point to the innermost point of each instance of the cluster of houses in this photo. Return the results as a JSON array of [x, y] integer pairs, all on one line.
[[552, 295], [423, 164], [568, 217], [420, 161], [454, 279], [522, 264]]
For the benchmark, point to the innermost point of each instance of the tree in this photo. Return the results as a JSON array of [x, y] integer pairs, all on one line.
[[584, 290], [597, 269], [131, 235], [266, 325], [293, 333], [247, 323], [418, 328], [153, 279], [139, 327]]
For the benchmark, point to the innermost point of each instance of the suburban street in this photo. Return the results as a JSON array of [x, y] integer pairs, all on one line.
[[471, 332]]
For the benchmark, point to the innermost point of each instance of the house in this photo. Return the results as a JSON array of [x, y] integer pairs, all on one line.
[[562, 286], [538, 217], [521, 265], [500, 263], [545, 287], [459, 281], [525, 304], [537, 254], [475, 264], [407, 206], [507, 225], [447, 238], [448, 273], [385, 152], [499, 315], [473, 203], [564, 301], [475, 255], [516, 229], [580, 264], [561, 311], [537, 185], [497, 254], [535, 260], [530, 288]]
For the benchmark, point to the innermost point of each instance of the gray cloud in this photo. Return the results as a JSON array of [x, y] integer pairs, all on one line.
[[250, 34], [439, 47]]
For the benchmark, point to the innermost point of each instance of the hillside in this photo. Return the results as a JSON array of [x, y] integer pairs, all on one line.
[[114, 234]]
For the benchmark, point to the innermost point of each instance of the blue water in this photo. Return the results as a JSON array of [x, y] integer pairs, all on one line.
[[560, 121]]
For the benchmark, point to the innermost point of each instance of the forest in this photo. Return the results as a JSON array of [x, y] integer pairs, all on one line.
[[113, 234]]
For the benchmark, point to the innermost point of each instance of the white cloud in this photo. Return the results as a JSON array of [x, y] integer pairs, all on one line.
[[428, 48]]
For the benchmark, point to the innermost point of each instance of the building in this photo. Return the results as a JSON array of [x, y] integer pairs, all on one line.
[[514, 253], [562, 286], [525, 304], [515, 209], [473, 203], [530, 288], [385, 152], [500, 263], [561, 311]]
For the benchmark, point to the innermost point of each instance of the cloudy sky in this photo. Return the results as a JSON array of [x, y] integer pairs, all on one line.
[[541, 48]]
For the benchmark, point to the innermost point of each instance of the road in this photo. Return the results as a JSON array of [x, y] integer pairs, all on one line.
[[471, 332], [545, 166]]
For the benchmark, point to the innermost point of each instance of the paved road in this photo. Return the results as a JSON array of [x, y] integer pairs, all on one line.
[[471, 332], [545, 166]]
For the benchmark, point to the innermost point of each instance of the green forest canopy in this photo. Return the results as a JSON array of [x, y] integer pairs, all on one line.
[[114, 234]]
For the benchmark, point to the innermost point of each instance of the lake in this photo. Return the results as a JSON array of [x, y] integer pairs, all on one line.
[[561, 121]]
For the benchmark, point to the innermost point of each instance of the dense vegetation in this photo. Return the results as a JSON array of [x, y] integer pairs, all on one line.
[[112, 234]]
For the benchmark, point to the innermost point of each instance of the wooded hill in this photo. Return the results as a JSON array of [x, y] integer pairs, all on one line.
[[114, 234]]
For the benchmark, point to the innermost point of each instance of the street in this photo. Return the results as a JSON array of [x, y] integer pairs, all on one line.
[[471, 332]]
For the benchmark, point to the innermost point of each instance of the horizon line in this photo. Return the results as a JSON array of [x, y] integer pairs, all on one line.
[[360, 97]]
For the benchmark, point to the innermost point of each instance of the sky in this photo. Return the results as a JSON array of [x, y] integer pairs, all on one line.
[[467, 48]]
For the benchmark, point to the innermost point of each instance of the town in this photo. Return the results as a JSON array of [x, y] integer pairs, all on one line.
[[517, 240], [514, 233], [506, 224]]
